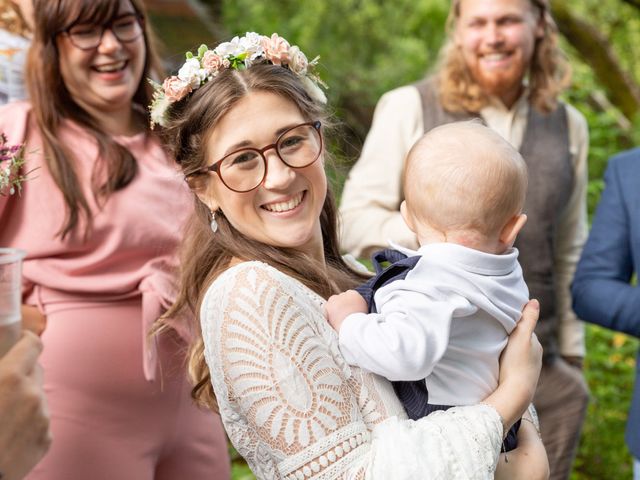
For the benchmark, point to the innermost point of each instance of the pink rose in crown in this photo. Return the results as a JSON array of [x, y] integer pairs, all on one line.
[[212, 63], [298, 62], [175, 89], [276, 49]]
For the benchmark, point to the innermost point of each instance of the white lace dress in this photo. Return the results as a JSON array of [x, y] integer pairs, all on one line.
[[295, 410]]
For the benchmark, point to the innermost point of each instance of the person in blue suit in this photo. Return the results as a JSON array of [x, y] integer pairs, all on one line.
[[601, 288]]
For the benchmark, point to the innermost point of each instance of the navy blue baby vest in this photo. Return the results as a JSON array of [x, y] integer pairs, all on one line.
[[412, 394]]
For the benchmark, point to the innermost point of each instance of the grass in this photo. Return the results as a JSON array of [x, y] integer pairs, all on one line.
[[609, 368]]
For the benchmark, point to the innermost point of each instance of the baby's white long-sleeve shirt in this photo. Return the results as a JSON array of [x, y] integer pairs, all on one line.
[[447, 321]]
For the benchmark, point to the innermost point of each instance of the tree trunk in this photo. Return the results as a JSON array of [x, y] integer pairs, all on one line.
[[210, 12], [633, 3], [623, 92]]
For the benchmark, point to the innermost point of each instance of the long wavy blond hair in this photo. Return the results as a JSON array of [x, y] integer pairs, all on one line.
[[549, 72]]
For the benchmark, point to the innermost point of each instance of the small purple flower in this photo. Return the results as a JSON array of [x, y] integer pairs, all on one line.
[[11, 162]]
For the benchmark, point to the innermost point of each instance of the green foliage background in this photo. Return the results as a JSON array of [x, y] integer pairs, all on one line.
[[368, 47]]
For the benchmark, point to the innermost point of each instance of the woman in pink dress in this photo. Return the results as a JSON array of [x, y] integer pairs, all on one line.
[[100, 219]]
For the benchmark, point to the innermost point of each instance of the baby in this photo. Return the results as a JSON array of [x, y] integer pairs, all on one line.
[[438, 319]]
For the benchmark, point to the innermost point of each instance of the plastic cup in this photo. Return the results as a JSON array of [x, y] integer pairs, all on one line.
[[10, 297]]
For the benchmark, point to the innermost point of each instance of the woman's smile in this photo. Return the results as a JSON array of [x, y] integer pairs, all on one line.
[[111, 67], [288, 205]]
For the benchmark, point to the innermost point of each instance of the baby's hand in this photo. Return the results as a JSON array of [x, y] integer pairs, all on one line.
[[338, 307]]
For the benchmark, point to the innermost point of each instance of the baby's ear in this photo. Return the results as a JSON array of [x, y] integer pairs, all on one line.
[[407, 217], [511, 229]]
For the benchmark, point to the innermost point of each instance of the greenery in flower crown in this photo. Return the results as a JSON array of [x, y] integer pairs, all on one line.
[[238, 54], [11, 162]]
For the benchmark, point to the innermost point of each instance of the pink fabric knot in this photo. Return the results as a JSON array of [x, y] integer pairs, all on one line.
[[159, 291]]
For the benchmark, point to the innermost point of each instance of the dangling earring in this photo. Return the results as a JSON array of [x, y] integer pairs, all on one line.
[[214, 224]]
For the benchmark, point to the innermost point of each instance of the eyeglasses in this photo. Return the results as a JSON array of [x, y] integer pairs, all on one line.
[[245, 169], [87, 36]]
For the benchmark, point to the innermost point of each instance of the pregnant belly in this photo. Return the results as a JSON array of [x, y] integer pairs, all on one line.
[[97, 349]]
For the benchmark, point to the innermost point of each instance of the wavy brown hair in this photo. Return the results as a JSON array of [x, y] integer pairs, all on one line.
[[549, 72], [206, 255], [52, 103]]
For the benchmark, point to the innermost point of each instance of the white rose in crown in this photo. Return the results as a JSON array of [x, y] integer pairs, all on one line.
[[192, 73], [230, 49], [250, 44]]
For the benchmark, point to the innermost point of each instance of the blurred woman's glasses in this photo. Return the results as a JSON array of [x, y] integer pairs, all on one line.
[[87, 36], [245, 169]]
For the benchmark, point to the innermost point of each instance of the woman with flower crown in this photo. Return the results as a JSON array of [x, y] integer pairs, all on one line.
[[246, 122], [100, 219]]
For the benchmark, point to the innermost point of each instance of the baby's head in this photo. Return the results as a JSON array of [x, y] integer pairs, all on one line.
[[463, 183]]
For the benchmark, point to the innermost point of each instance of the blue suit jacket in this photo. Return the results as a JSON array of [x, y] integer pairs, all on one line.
[[601, 290]]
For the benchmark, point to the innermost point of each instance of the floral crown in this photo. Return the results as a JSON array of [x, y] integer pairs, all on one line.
[[240, 53]]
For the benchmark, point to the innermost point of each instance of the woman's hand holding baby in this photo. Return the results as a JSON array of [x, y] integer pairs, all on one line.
[[520, 365]]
